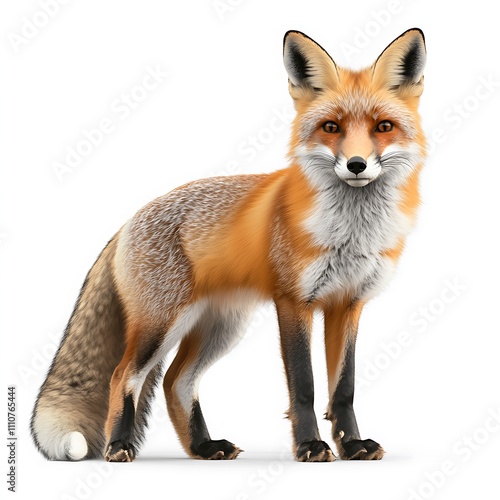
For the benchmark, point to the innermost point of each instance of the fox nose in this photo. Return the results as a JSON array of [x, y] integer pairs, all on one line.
[[356, 165]]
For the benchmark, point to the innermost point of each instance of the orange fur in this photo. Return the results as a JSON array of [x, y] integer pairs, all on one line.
[[190, 265], [238, 254], [188, 350], [341, 321]]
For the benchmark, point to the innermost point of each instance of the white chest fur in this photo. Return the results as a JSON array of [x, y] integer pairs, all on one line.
[[354, 226]]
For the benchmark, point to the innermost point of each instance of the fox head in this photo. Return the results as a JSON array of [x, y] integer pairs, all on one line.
[[356, 126]]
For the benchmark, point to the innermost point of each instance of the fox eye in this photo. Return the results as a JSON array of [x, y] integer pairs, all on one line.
[[384, 126], [331, 128]]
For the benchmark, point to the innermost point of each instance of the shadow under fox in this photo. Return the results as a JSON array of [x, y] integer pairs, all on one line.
[[190, 267]]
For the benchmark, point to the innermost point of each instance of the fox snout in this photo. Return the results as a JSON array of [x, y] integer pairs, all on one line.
[[356, 165], [358, 171]]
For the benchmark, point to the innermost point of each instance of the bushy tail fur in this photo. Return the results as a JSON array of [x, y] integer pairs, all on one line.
[[71, 409]]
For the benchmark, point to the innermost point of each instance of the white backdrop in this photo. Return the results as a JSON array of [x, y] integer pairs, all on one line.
[[217, 102]]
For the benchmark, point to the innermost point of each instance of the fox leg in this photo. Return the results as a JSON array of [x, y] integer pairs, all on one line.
[[120, 423], [126, 385], [295, 332], [341, 325], [147, 345], [214, 335]]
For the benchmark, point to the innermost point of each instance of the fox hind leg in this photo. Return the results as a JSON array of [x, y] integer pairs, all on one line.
[[216, 333], [133, 380]]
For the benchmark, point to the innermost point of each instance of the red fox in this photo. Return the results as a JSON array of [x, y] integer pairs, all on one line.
[[189, 268]]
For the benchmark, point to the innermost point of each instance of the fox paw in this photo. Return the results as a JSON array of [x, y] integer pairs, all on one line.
[[216, 450], [119, 451], [361, 449], [314, 451]]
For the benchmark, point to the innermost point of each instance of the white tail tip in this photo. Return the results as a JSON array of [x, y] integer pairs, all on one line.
[[75, 445]]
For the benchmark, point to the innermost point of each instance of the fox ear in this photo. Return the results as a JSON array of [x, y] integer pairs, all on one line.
[[310, 69], [401, 64]]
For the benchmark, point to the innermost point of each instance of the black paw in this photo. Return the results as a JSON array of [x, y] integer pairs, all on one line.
[[314, 451], [361, 449], [118, 451], [216, 450]]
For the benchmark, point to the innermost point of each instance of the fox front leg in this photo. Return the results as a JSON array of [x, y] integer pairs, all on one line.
[[341, 325], [295, 330]]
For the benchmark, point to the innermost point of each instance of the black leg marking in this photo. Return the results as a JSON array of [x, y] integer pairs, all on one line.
[[120, 447], [147, 350], [295, 348], [198, 427], [204, 447], [314, 451], [296, 352], [345, 428]]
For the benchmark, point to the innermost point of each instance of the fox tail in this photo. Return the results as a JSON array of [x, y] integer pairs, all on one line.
[[71, 409]]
